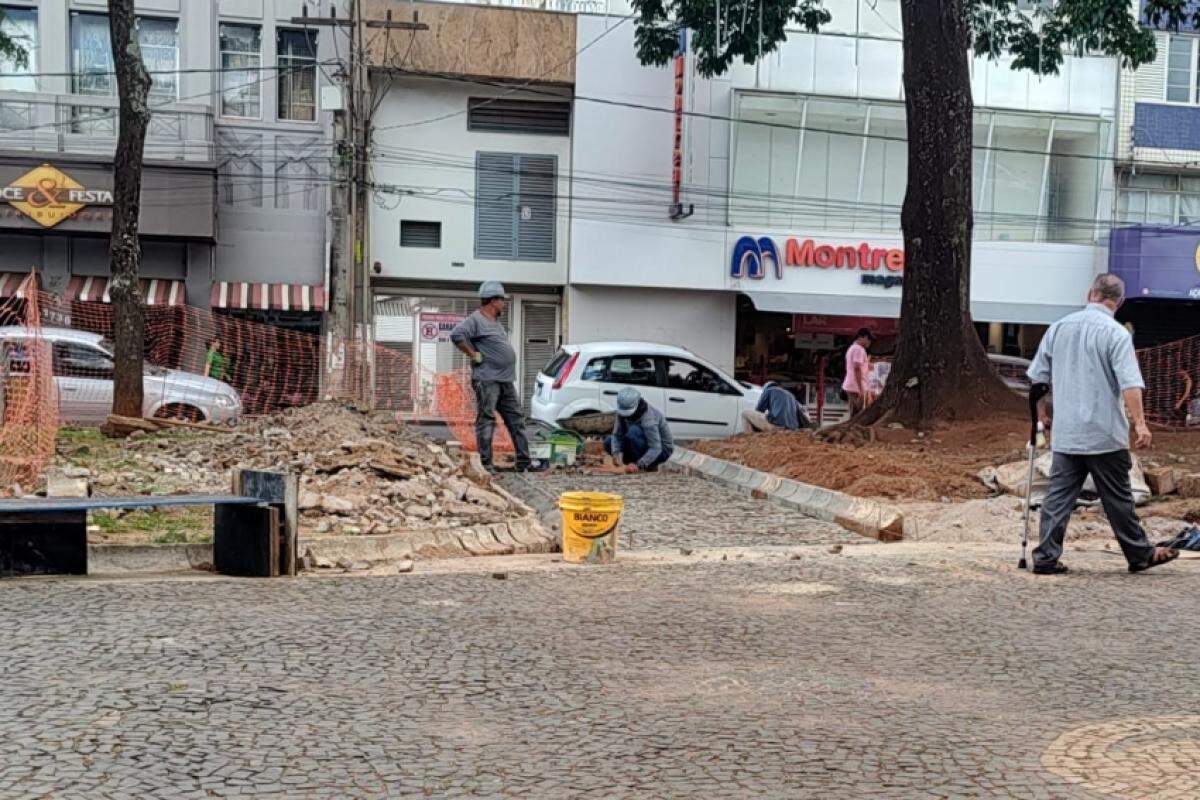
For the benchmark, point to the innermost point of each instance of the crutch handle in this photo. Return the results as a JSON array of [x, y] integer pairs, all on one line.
[[1036, 392]]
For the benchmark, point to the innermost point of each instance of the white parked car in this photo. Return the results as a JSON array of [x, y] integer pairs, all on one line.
[[698, 399], [83, 376]]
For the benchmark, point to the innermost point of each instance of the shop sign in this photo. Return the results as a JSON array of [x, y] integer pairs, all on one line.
[[754, 258], [48, 196], [843, 326], [437, 327]]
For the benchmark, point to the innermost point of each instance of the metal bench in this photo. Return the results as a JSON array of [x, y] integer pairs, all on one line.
[[254, 528]]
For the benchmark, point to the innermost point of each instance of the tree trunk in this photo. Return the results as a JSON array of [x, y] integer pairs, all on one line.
[[940, 371], [125, 252]]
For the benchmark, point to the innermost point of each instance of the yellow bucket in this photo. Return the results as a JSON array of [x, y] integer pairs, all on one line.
[[589, 526]]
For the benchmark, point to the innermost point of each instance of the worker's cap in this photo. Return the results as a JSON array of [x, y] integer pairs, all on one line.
[[627, 401], [864, 332], [490, 289]]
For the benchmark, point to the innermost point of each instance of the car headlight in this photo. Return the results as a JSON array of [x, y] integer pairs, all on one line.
[[226, 401]]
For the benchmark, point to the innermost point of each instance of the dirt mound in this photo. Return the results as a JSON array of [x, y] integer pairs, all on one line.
[[359, 473], [889, 462]]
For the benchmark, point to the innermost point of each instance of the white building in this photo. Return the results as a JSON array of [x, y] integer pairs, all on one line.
[[807, 150], [472, 182], [1155, 237]]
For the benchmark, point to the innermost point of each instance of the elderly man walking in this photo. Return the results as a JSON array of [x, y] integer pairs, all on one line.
[[1088, 361], [493, 373]]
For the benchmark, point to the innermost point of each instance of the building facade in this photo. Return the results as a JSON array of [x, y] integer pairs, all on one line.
[[1155, 239], [237, 154], [471, 168], [792, 173]]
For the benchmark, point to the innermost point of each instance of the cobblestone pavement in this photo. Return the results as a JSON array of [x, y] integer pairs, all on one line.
[[670, 509], [795, 669]]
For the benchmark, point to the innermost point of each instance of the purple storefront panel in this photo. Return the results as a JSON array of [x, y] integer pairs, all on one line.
[[1156, 262]]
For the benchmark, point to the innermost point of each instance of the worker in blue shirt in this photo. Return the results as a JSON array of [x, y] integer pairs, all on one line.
[[777, 408]]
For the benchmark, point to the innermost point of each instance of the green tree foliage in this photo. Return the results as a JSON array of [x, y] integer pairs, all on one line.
[[10, 48], [1038, 38]]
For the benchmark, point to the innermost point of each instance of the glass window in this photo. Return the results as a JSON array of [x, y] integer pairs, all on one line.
[[20, 24], [634, 370], [92, 62], [241, 77], [1189, 209], [91, 55], [1180, 69], [691, 377], [1018, 155], [594, 371], [297, 62], [829, 163], [885, 172], [1131, 207], [159, 42], [81, 361], [1160, 208]]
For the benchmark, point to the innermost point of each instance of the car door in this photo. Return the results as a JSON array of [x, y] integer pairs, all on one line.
[[699, 403], [638, 371], [85, 382]]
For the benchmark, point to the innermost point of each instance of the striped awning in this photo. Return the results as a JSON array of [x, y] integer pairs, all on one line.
[[11, 284], [268, 296], [155, 292]]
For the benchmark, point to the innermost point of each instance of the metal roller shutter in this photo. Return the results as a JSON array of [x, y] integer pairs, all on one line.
[[539, 326]]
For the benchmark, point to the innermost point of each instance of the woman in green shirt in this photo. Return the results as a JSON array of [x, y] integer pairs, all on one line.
[[216, 365]]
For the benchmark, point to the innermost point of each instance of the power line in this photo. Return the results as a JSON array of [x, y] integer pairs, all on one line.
[[736, 121], [510, 89], [89, 73], [164, 106]]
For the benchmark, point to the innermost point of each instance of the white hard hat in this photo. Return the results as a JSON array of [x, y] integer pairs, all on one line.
[[490, 289]]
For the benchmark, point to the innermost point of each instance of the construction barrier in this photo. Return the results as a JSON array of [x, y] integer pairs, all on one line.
[[28, 397]]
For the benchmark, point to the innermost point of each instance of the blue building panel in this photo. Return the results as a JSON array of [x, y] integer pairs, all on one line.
[[1186, 25], [1167, 126]]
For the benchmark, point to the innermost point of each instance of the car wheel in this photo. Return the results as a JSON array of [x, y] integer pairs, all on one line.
[[180, 411]]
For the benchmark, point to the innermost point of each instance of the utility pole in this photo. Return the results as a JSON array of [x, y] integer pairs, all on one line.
[[350, 317]]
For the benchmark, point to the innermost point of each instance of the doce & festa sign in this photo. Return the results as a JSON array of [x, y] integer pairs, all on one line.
[[753, 258], [48, 196]]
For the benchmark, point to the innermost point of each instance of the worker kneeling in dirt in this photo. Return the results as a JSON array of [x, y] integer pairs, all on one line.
[[777, 408], [640, 437]]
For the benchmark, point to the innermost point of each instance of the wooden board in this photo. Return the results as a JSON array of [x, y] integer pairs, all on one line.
[[45, 543], [246, 540]]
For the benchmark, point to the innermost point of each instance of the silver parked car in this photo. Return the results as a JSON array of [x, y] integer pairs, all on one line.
[[83, 376]]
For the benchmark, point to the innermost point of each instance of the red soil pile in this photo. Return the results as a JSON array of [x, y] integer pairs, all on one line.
[[898, 465]]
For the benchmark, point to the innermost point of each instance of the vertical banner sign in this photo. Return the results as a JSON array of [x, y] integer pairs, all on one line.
[[677, 148], [437, 327]]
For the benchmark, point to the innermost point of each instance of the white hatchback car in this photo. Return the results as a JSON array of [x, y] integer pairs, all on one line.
[[698, 400]]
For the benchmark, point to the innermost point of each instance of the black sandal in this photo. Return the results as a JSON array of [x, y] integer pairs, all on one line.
[[1050, 569], [1171, 556]]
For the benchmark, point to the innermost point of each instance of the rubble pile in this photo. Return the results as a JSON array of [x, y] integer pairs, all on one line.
[[359, 473]]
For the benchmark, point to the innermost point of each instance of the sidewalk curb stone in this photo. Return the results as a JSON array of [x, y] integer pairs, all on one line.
[[865, 517]]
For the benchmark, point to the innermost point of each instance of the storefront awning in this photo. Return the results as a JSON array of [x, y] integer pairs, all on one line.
[[268, 296], [12, 284], [850, 306], [155, 292], [828, 304]]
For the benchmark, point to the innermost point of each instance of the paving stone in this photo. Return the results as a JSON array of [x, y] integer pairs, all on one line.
[[861, 675]]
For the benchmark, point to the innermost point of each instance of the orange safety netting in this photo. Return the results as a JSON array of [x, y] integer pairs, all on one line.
[[28, 400], [1172, 375], [454, 404]]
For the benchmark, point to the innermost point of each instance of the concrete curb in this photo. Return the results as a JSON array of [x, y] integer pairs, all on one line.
[[865, 517], [523, 535], [123, 559]]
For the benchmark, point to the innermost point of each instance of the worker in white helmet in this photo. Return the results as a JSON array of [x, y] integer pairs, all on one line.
[[493, 373]]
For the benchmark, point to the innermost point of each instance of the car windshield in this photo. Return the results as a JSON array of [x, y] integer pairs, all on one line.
[[109, 346]]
